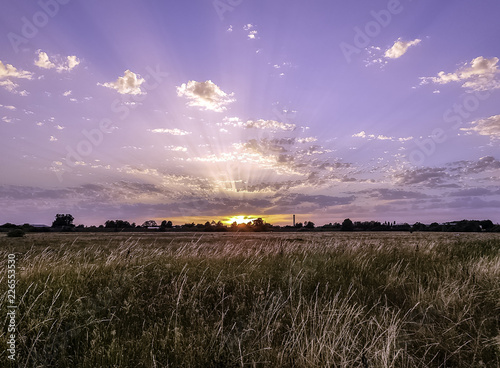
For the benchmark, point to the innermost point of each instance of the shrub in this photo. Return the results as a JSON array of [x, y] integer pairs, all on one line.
[[16, 233]]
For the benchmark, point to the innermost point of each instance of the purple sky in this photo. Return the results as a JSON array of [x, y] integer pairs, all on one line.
[[200, 110]]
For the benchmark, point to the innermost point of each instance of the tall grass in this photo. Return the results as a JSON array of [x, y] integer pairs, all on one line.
[[285, 300]]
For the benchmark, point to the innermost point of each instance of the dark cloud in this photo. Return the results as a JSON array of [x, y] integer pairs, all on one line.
[[297, 199], [473, 167], [471, 192], [431, 177], [395, 194]]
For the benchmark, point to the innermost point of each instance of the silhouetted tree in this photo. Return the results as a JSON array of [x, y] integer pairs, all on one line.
[[110, 224], [63, 220], [435, 227], [165, 225], [309, 225], [417, 226], [347, 225]]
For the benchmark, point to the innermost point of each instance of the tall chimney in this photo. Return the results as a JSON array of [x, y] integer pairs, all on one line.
[[293, 220]]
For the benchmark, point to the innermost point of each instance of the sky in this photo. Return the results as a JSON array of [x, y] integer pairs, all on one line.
[[202, 110]]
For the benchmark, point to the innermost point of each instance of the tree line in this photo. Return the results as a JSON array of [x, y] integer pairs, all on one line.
[[65, 222]]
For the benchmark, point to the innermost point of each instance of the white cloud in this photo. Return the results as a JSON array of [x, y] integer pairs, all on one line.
[[306, 140], [206, 95], [8, 107], [252, 33], [53, 139], [176, 148], [489, 127], [129, 84], [361, 134], [169, 131], [258, 124], [9, 72], [73, 61], [67, 93], [399, 48], [59, 127], [269, 124], [380, 137], [44, 62], [479, 75]]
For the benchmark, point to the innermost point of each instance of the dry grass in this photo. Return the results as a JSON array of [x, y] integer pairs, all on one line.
[[277, 300]]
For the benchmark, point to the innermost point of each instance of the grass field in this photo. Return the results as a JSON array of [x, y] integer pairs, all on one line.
[[254, 300]]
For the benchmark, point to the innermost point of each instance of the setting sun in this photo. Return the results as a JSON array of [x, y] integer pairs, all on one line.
[[240, 219]]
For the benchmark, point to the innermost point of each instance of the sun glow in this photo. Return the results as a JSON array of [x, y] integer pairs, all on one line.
[[240, 219]]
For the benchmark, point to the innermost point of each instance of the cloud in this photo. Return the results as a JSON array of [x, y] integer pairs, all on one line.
[[169, 131], [478, 75], [9, 107], [43, 61], [263, 124], [485, 163], [252, 33], [68, 63], [489, 127], [399, 48], [129, 84], [288, 203], [395, 194], [176, 148], [206, 95], [427, 175], [471, 192], [72, 61], [67, 93], [269, 124], [8, 73], [380, 137]]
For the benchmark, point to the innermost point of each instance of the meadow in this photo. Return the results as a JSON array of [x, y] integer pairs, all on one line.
[[254, 300]]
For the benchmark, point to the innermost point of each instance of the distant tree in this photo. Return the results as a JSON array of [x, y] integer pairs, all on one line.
[[309, 225], [220, 226], [258, 222], [417, 226], [110, 224], [122, 224], [299, 225], [347, 225], [63, 220], [486, 224], [435, 227], [8, 225]]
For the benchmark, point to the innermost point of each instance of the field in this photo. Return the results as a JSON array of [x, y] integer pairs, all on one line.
[[254, 300]]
